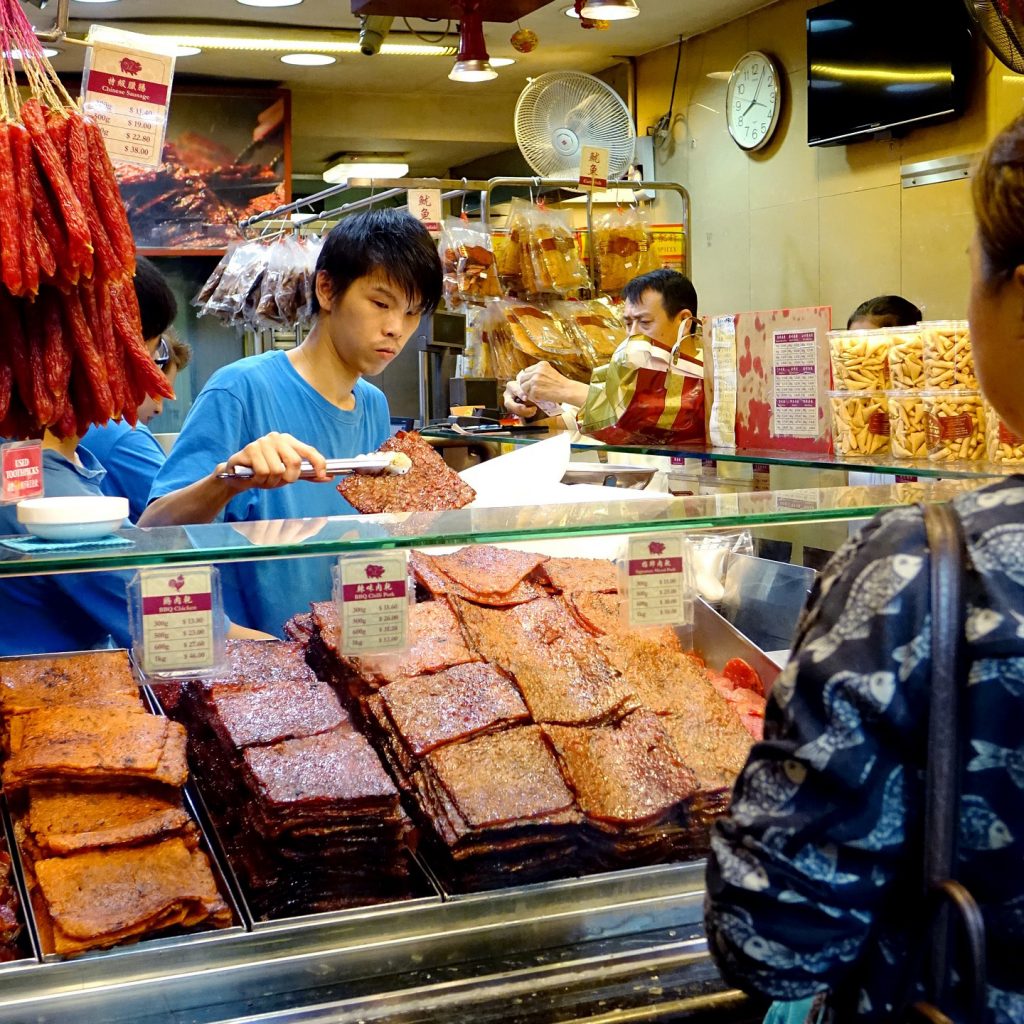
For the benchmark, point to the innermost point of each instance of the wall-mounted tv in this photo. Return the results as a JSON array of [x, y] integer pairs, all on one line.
[[877, 66]]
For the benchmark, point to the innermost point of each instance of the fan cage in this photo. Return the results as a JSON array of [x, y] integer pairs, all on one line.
[[1002, 24]]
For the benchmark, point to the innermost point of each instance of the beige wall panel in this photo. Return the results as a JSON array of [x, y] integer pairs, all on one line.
[[719, 172], [786, 170], [780, 31], [856, 168], [860, 248], [937, 228], [720, 249], [784, 256]]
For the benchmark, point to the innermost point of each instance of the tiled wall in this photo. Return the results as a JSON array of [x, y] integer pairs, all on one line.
[[793, 225]]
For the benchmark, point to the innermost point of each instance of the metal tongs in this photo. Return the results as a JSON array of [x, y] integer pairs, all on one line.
[[374, 464]]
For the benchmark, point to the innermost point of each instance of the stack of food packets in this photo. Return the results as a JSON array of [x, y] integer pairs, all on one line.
[[860, 373]]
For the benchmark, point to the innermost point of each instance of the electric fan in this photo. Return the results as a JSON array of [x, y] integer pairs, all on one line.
[[560, 113], [1002, 24]]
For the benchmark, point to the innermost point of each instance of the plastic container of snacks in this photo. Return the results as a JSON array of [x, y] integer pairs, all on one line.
[[1002, 445], [860, 422], [955, 424], [859, 360], [908, 425], [906, 357], [948, 359]]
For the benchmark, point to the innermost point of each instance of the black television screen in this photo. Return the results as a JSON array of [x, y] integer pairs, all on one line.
[[884, 65]]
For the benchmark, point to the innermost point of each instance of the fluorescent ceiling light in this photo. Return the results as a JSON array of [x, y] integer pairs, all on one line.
[[96, 1], [270, 3], [570, 11], [502, 62], [47, 52], [308, 60], [368, 166], [327, 43], [609, 10], [187, 51]]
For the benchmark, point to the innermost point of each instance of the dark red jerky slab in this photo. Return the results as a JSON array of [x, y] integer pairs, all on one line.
[[582, 574], [438, 584], [453, 704], [486, 569], [10, 230], [663, 679], [24, 168], [333, 766], [52, 164], [429, 486], [630, 772], [501, 777]]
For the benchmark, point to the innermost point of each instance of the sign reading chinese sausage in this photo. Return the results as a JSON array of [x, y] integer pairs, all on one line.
[[658, 586], [21, 471], [593, 168], [372, 595], [127, 90], [425, 206], [178, 620]]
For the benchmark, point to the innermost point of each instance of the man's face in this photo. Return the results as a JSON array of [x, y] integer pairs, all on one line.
[[648, 317], [370, 323]]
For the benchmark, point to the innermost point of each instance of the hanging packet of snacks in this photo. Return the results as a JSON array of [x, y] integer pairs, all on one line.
[[496, 333], [209, 286], [554, 254], [541, 334], [467, 258], [477, 360], [596, 326], [281, 257], [73, 352], [620, 243], [510, 255], [301, 287], [246, 264]]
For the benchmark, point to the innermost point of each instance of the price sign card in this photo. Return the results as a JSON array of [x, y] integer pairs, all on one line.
[[593, 168], [372, 595], [21, 471], [425, 206], [126, 88], [657, 581], [177, 620]]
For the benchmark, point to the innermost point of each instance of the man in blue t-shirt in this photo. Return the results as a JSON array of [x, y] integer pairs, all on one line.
[[377, 274]]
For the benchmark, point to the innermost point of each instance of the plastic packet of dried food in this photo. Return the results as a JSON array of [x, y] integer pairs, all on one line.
[[246, 264], [467, 258], [305, 280], [281, 257], [202, 296], [554, 254], [619, 239], [496, 333], [478, 360], [510, 251], [596, 326]]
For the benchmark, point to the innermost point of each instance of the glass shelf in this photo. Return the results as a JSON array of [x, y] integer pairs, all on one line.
[[805, 460], [220, 542]]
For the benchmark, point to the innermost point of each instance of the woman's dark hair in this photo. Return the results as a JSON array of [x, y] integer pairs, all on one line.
[[676, 290], [998, 192], [887, 311], [386, 242], [157, 304]]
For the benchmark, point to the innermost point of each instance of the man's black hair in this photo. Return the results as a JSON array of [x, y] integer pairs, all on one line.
[[676, 290], [157, 303], [386, 242], [891, 310]]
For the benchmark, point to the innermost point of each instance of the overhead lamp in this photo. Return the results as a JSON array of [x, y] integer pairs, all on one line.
[[472, 63], [284, 42], [308, 60], [48, 51], [187, 51], [609, 10], [502, 62], [270, 3], [367, 165]]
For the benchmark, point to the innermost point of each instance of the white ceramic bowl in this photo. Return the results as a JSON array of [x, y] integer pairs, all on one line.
[[80, 517]]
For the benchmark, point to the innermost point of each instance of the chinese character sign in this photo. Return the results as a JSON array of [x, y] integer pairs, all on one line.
[[372, 595], [657, 581], [425, 206], [593, 168]]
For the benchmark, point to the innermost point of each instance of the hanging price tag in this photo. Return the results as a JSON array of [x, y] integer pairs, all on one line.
[[593, 168], [126, 89], [372, 595], [177, 620], [21, 471], [425, 206], [656, 578]]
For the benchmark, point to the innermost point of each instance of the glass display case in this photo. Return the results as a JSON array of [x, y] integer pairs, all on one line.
[[626, 944]]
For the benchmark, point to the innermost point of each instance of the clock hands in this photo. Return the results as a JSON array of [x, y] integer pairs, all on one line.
[[753, 102]]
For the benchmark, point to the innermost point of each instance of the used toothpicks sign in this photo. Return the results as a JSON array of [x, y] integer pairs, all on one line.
[[126, 87]]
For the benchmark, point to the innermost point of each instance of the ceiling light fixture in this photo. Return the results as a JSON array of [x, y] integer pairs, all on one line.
[[609, 10], [270, 3], [502, 62], [367, 165], [187, 51], [571, 12], [327, 43], [308, 60], [472, 63]]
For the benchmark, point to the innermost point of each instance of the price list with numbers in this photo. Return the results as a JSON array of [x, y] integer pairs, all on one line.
[[180, 617], [127, 91], [372, 594], [658, 587]]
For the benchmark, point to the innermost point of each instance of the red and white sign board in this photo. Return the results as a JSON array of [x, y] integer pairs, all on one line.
[[425, 206], [593, 168], [179, 611], [372, 595], [21, 471], [658, 586]]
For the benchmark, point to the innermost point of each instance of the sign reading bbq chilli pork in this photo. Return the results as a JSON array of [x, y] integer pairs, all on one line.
[[372, 593]]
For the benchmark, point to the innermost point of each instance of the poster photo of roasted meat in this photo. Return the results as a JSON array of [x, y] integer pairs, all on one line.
[[227, 157], [73, 353]]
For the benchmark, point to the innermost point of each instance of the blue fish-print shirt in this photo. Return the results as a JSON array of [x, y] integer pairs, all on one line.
[[813, 873]]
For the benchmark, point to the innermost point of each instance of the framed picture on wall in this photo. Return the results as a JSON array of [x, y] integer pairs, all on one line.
[[227, 156]]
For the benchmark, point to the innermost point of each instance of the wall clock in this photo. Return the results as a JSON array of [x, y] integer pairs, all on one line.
[[753, 100]]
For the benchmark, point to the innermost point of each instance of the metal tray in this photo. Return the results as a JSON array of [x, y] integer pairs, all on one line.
[[163, 942]]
